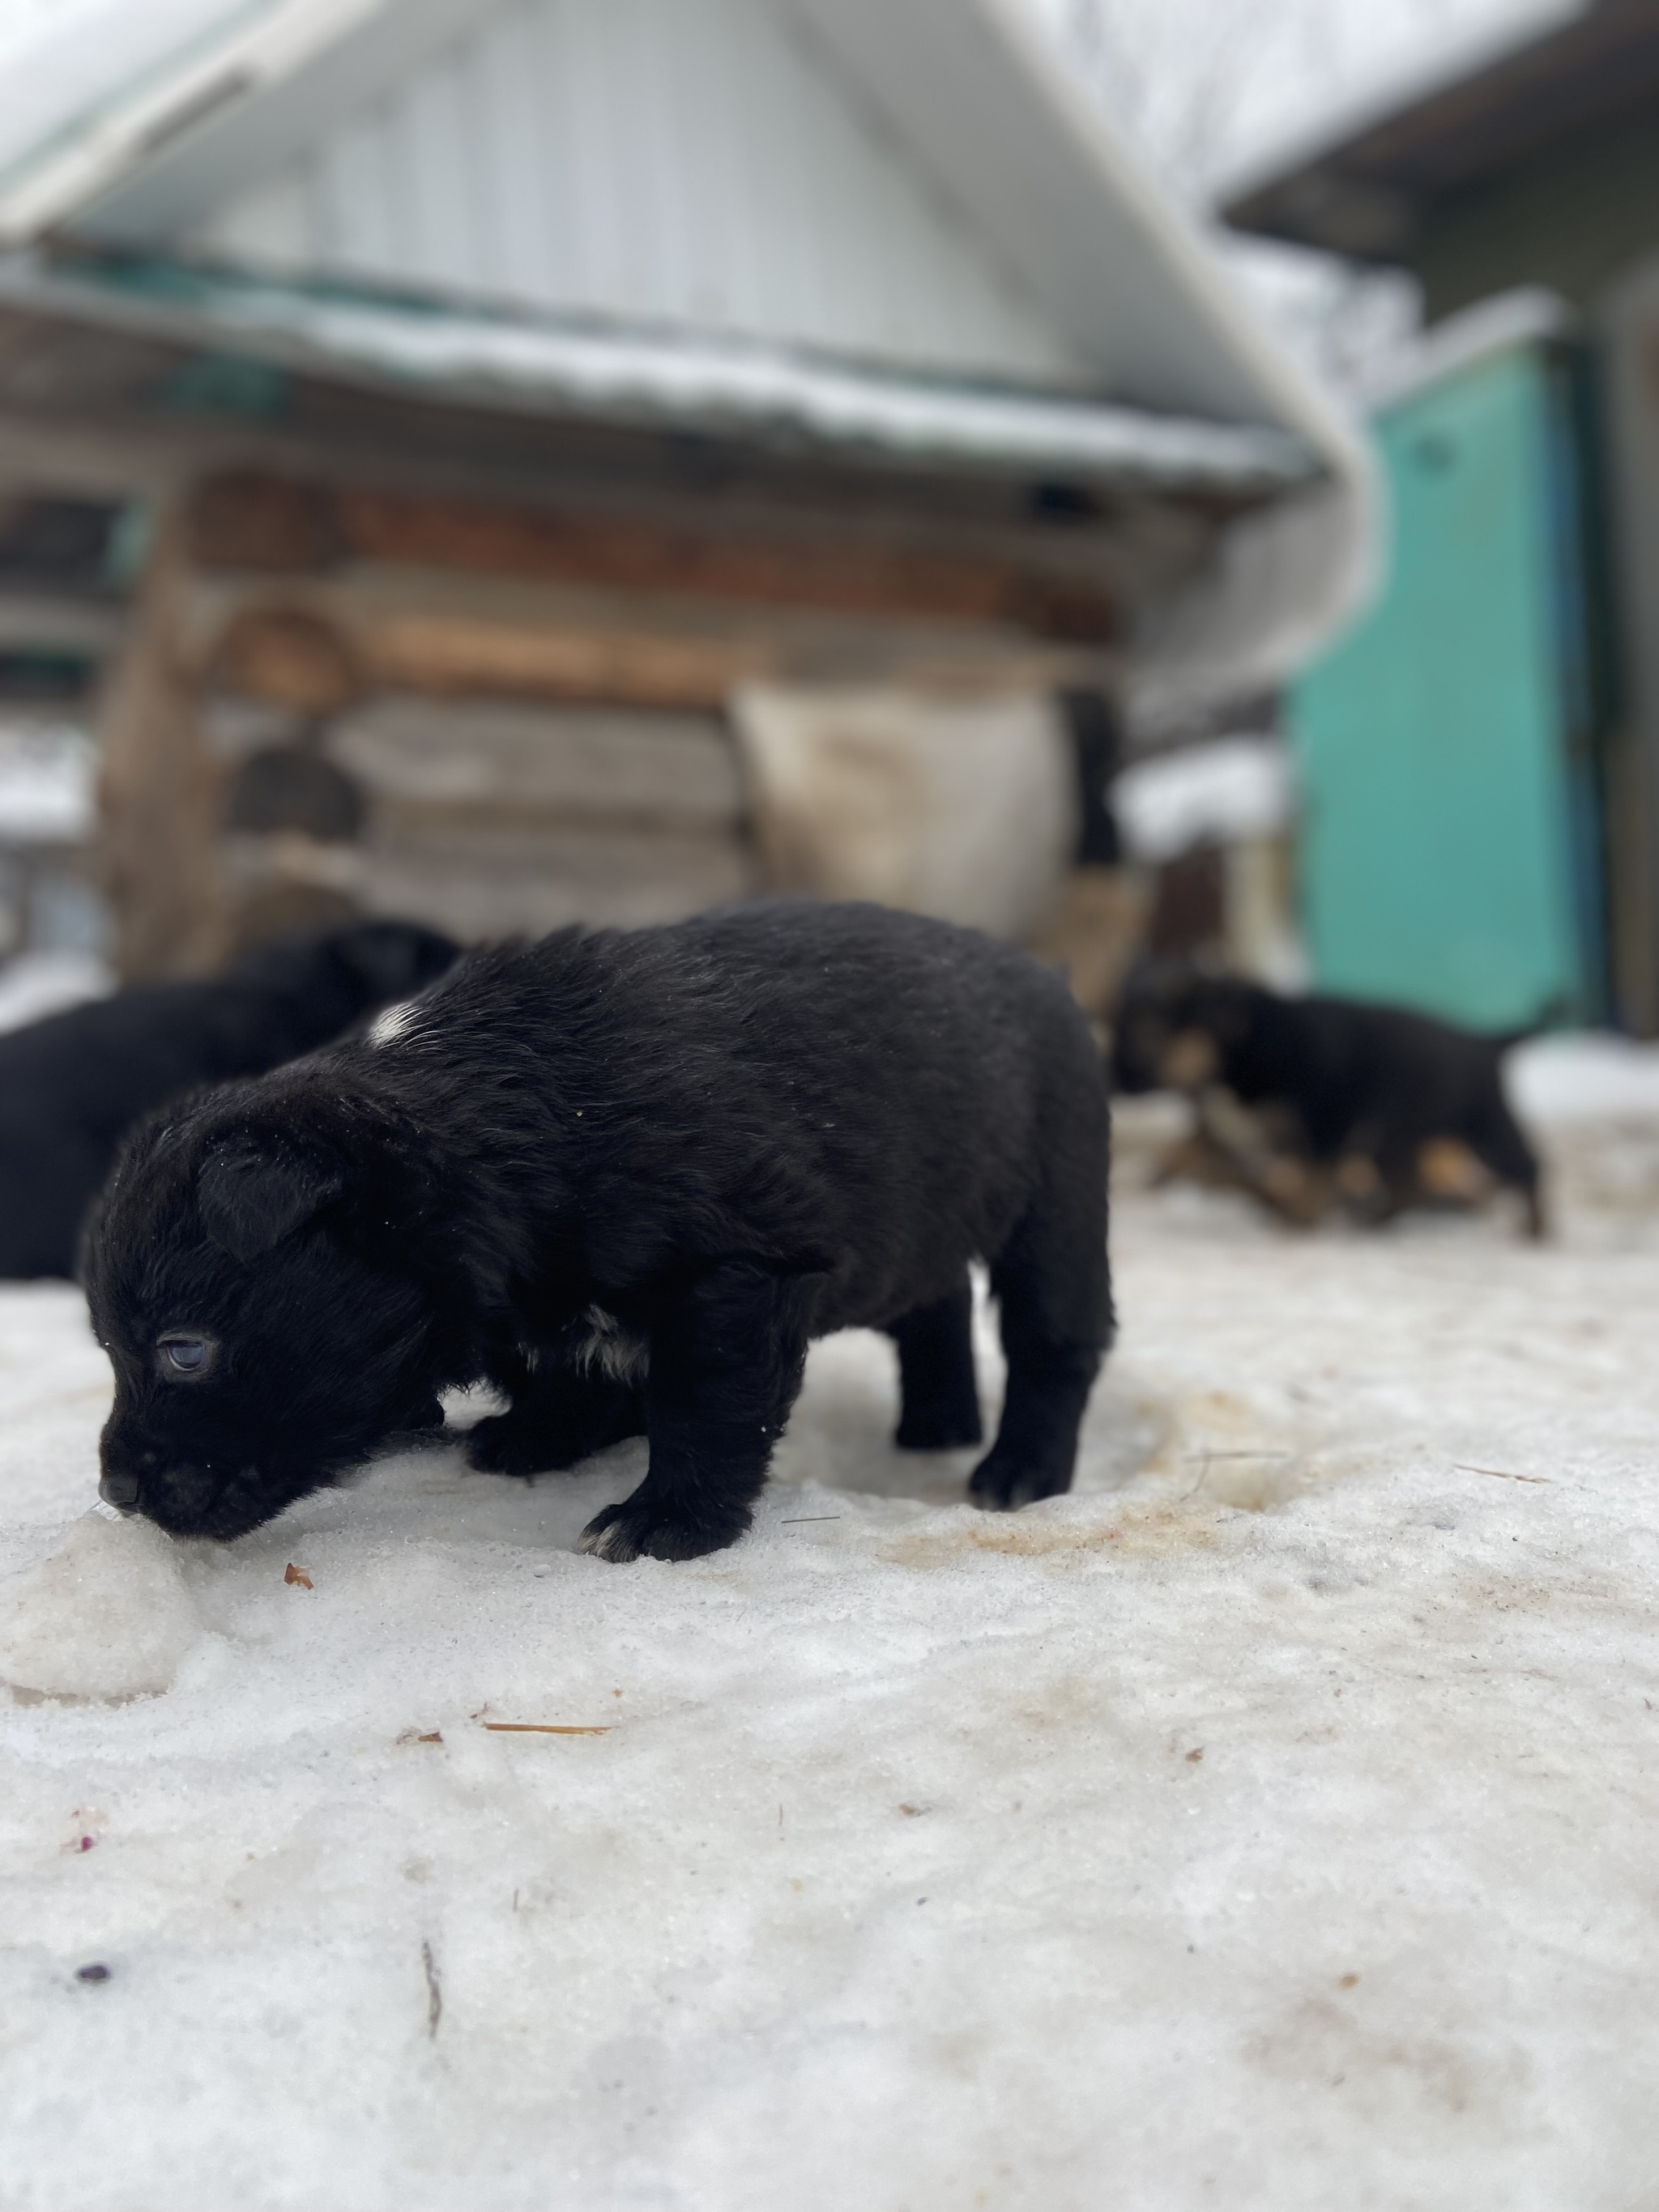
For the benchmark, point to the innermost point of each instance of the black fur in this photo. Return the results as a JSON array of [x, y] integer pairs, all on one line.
[[624, 1177], [72, 1086], [1353, 1081]]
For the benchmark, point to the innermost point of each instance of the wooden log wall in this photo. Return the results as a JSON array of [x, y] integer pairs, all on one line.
[[494, 716]]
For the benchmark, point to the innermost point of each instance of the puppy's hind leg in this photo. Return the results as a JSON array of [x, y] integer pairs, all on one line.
[[1052, 1283], [1496, 1140], [727, 1354], [559, 1416], [938, 1395]]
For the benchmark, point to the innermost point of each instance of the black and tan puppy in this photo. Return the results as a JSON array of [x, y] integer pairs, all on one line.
[[1365, 1103], [624, 1177], [72, 1086]]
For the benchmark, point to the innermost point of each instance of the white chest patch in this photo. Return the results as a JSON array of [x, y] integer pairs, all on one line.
[[615, 1350], [395, 1022]]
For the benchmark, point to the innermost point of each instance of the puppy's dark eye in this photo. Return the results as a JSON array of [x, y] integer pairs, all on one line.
[[185, 1355]]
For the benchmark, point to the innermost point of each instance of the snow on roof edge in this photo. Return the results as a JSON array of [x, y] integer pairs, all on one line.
[[1529, 314], [526, 366]]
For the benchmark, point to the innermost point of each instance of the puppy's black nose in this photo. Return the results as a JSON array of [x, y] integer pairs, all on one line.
[[120, 1490]]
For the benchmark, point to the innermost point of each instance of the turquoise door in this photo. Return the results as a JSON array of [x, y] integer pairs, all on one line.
[[1448, 852]]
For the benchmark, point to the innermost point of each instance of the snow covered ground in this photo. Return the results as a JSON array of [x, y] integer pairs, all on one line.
[[1269, 1824]]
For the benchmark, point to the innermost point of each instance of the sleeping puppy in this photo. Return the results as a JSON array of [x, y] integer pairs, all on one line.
[[625, 1177], [72, 1086], [1385, 1107]]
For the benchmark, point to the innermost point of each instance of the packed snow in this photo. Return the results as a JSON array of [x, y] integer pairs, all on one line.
[[1267, 1824]]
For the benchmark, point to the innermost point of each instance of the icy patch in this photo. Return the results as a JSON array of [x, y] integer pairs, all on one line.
[[104, 1616]]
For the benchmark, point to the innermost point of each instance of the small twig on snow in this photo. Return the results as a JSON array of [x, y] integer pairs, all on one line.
[[539, 1728]]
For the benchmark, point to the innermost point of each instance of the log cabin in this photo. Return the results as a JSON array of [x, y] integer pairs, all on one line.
[[592, 460]]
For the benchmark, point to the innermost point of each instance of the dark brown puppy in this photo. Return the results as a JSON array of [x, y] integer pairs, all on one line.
[[1368, 1097], [625, 1177]]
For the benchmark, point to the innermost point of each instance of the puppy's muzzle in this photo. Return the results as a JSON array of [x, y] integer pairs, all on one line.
[[191, 1500]]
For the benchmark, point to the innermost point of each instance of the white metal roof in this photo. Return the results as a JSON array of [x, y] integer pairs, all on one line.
[[623, 377], [912, 181]]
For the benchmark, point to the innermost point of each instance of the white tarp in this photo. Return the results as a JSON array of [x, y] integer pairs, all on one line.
[[961, 807]]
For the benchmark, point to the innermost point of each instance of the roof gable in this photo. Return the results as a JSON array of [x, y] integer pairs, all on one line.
[[691, 165], [910, 190]]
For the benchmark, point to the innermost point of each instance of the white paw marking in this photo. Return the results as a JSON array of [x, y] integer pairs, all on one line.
[[611, 1543]]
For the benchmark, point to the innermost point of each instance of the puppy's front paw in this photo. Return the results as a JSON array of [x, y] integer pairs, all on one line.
[[644, 1528], [1001, 1482]]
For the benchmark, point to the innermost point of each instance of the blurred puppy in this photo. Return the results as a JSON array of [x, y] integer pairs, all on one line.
[[1343, 1103], [72, 1086], [625, 1177]]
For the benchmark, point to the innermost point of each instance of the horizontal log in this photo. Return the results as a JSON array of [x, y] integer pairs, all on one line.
[[493, 887], [40, 624], [289, 657], [644, 766], [251, 520], [457, 654], [312, 664], [524, 826], [783, 643]]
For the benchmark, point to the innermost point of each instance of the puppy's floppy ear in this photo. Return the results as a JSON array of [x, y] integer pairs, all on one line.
[[250, 1196]]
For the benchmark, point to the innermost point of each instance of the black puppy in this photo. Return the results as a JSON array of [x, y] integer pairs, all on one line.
[[72, 1086], [1359, 1089], [624, 1177]]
